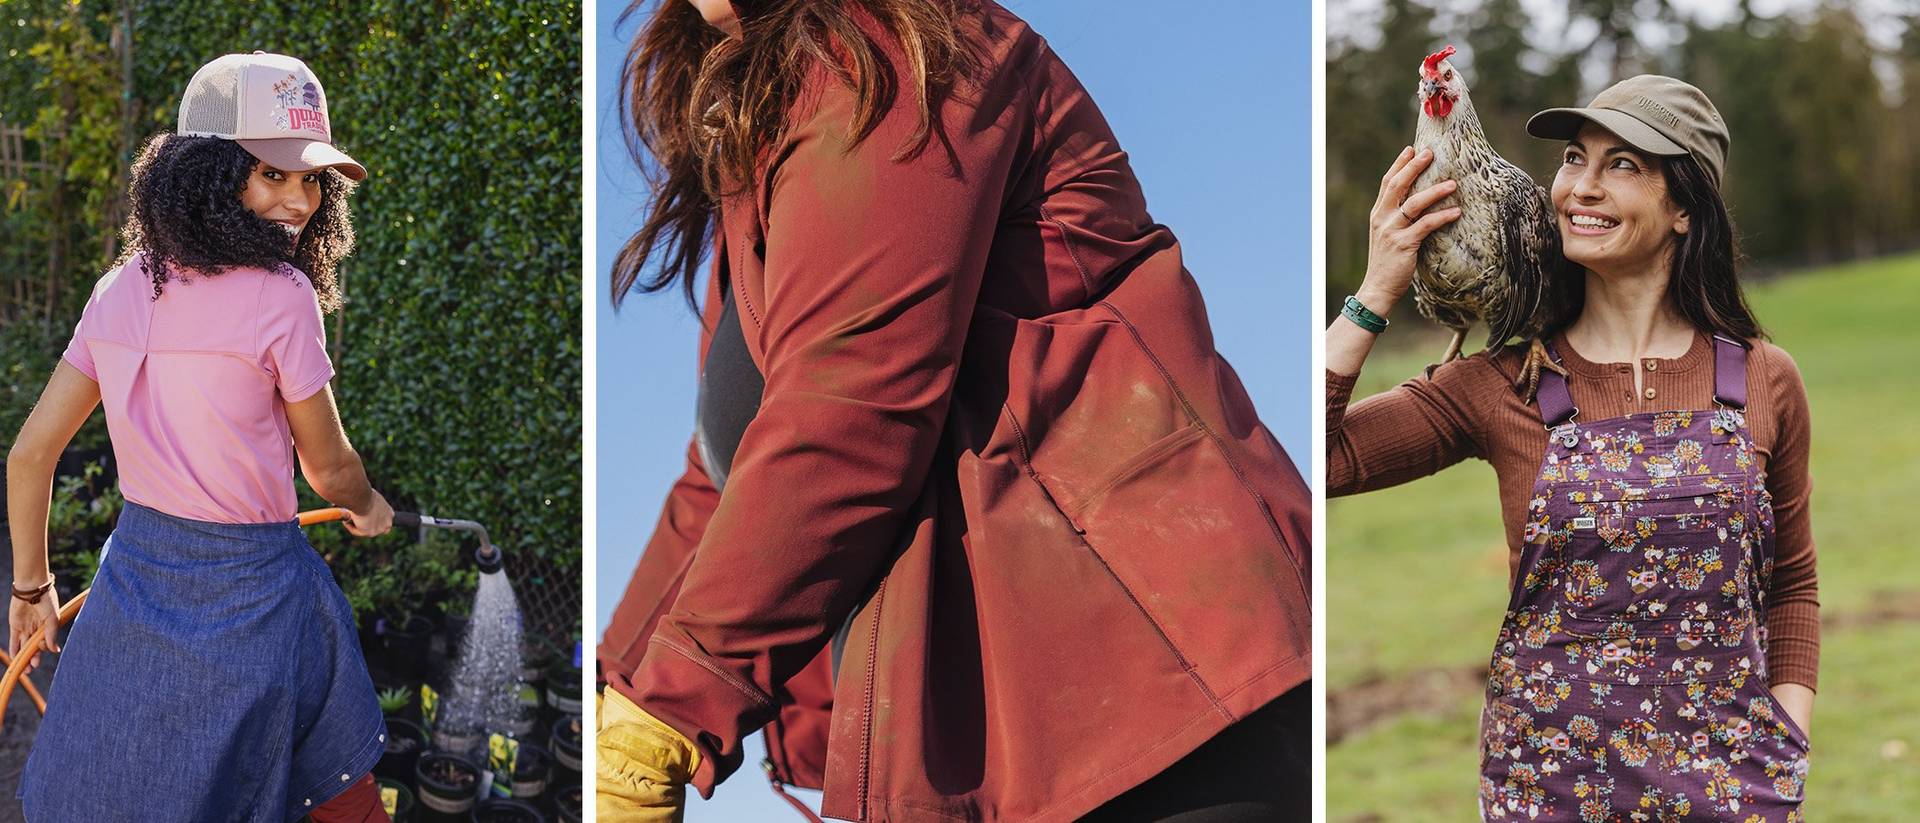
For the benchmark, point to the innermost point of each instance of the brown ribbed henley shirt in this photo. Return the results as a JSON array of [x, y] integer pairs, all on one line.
[[1468, 408]]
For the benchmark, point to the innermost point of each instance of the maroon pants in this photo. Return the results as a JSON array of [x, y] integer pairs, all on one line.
[[359, 804]]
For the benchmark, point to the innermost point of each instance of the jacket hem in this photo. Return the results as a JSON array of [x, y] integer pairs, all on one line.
[[1198, 728]]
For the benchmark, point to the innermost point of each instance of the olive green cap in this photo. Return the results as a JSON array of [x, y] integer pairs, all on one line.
[[1658, 115]]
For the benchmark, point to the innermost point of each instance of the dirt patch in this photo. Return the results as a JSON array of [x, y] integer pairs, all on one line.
[[1359, 707], [1887, 607]]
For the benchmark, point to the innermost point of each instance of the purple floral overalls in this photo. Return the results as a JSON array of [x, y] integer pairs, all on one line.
[[1630, 682]]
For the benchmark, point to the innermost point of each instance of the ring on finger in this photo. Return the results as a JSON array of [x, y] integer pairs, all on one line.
[[1403, 215]]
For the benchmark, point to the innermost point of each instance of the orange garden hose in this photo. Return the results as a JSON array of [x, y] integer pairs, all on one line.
[[322, 516], [33, 692], [17, 667]]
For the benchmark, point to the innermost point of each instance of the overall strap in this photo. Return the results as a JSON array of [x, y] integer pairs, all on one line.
[[1556, 402], [1729, 372]]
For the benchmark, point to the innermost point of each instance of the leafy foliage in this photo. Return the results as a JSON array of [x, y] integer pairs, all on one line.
[[59, 215], [80, 515]]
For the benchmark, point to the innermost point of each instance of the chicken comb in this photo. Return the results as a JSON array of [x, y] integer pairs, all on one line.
[[1432, 63]]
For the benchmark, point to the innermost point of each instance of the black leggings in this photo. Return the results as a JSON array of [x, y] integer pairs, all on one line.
[[1259, 769]]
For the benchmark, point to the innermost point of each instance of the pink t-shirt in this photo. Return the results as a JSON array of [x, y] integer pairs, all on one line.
[[195, 383]]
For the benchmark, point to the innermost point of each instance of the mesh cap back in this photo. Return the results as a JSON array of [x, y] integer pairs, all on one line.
[[211, 105]]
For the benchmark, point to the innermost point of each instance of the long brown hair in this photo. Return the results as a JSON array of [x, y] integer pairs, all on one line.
[[700, 107], [1704, 282]]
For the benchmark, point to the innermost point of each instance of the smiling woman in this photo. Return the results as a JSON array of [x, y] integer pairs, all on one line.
[[206, 348], [1661, 635], [208, 204]]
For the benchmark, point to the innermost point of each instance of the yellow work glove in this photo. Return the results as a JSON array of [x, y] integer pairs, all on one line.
[[644, 765]]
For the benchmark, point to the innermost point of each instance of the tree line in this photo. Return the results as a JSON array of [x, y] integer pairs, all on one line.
[[1821, 168]]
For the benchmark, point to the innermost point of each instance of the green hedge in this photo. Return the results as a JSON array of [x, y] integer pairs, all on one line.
[[459, 350]]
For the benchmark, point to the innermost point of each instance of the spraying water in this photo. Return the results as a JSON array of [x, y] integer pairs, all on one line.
[[484, 694]]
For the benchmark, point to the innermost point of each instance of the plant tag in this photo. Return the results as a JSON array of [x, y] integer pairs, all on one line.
[[503, 752], [429, 705]]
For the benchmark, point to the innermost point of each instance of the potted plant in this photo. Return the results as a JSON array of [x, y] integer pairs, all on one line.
[[406, 637], [531, 710], [530, 768], [391, 588], [563, 687], [396, 798], [564, 744], [448, 785], [394, 700], [456, 613], [464, 741], [568, 805], [536, 654], [405, 741]]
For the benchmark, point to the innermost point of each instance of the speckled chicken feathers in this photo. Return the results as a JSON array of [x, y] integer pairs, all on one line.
[[1490, 265]]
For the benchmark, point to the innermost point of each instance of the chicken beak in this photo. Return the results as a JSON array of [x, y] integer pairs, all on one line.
[[1427, 87]]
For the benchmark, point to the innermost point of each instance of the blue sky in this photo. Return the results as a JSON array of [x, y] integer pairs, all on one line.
[[1213, 103]]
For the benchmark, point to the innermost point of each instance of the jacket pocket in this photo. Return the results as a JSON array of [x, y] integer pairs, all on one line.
[[1200, 558], [1106, 431]]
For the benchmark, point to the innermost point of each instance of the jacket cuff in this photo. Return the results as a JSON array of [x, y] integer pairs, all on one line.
[[691, 695]]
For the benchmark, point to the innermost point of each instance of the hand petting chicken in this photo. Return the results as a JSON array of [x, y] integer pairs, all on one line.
[[1492, 264]]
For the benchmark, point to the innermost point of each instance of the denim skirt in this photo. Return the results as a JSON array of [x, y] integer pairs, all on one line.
[[214, 674]]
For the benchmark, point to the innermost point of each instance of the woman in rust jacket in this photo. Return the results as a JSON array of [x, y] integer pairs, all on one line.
[[1001, 537]]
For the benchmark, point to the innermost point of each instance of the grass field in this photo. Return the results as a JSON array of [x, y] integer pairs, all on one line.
[[1417, 576]]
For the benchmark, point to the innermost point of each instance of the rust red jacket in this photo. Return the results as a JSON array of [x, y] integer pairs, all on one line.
[[995, 431]]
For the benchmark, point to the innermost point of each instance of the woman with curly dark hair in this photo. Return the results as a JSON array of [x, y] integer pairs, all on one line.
[[214, 673], [976, 523]]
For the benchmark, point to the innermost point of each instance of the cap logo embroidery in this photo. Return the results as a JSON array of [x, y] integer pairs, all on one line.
[[296, 106], [1658, 111]]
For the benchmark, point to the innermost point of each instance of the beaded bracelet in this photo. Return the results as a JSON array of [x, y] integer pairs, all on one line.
[[1363, 317]]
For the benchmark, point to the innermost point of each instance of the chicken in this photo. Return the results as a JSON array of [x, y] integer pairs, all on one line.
[[1492, 264]]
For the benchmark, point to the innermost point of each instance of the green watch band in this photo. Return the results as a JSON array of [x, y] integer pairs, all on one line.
[[1361, 316]]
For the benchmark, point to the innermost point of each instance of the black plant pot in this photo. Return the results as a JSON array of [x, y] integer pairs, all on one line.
[[453, 630], [505, 810], [406, 643], [567, 807], [402, 809], [448, 784], [406, 740], [563, 687], [536, 654], [530, 772], [564, 744], [469, 743]]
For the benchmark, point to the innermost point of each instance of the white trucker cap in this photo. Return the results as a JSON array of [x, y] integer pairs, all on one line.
[[270, 104]]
